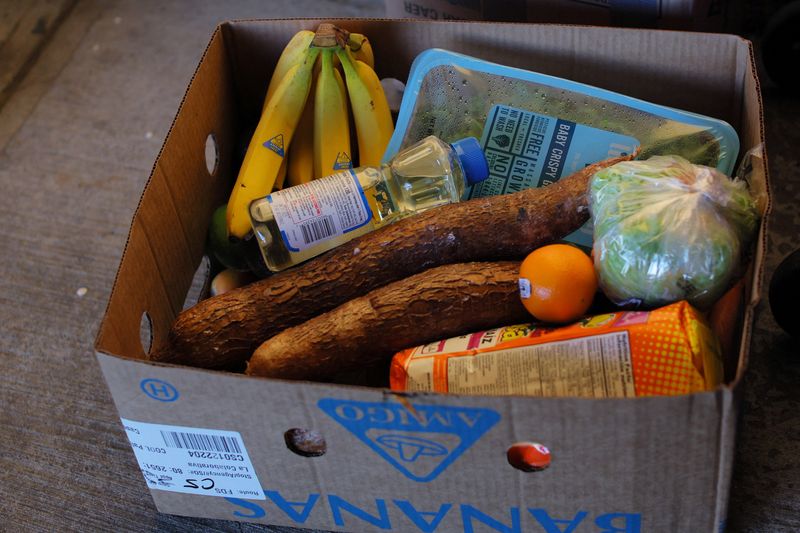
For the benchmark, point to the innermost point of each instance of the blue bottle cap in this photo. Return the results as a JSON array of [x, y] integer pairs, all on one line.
[[473, 162]]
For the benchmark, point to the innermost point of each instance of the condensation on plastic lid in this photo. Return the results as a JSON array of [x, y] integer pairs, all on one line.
[[435, 57]]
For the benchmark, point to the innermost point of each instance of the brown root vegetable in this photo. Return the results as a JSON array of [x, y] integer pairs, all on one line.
[[224, 330], [436, 304]]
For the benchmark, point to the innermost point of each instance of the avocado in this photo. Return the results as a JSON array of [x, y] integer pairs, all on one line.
[[232, 255]]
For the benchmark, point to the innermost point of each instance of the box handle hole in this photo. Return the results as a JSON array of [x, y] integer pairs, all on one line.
[[305, 442], [528, 456], [212, 154], [146, 332]]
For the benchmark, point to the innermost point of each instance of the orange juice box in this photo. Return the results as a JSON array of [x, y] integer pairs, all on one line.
[[664, 352]]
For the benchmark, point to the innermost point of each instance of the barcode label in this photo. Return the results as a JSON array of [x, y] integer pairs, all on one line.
[[317, 230], [209, 462], [309, 214], [199, 441]]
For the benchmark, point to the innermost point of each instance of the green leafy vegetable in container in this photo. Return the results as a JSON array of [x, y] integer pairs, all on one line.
[[454, 102], [667, 230]]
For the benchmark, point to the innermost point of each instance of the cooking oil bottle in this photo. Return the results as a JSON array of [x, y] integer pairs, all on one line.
[[298, 223]]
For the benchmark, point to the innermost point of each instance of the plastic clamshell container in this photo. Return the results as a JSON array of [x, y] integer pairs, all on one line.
[[450, 95]]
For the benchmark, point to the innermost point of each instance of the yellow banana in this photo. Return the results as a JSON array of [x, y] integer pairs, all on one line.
[[291, 55], [300, 166], [361, 48], [370, 109], [281, 177], [269, 143], [301, 152], [331, 125]]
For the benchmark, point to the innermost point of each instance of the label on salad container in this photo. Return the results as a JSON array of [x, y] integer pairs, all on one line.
[[209, 462], [320, 210], [526, 150]]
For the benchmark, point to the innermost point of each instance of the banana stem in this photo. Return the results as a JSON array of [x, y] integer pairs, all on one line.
[[329, 36], [327, 59], [346, 58]]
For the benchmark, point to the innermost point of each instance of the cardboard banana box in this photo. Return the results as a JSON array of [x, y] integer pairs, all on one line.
[[223, 445]]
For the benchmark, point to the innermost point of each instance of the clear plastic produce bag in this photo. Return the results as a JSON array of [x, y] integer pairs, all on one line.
[[667, 230]]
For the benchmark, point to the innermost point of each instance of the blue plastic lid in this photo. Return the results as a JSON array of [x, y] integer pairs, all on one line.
[[425, 63], [473, 162]]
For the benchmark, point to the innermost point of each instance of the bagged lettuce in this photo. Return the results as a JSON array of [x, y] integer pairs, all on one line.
[[668, 230]]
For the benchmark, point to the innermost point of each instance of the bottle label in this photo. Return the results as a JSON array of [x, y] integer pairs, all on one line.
[[320, 210], [526, 150]]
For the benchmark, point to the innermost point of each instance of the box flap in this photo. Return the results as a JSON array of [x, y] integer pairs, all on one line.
[[167, 236], [752, 135]]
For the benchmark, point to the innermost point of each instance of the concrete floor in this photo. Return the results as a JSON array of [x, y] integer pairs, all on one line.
[[78, 135]]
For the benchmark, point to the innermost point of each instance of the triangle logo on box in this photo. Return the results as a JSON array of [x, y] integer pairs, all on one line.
[[420, 441]]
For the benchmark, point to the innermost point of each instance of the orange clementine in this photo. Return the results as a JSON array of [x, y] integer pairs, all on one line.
[[557, 283]]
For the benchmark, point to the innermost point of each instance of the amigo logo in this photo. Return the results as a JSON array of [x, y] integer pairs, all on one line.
[[420, 442]]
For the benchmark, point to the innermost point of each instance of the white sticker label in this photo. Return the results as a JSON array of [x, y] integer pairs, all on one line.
[[524, 288], [320, 210], [210, 462]]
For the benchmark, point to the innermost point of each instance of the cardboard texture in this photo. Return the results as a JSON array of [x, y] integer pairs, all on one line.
[[427, 462]]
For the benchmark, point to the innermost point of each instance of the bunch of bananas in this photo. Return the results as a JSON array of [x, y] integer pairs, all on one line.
[[304, 130]]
